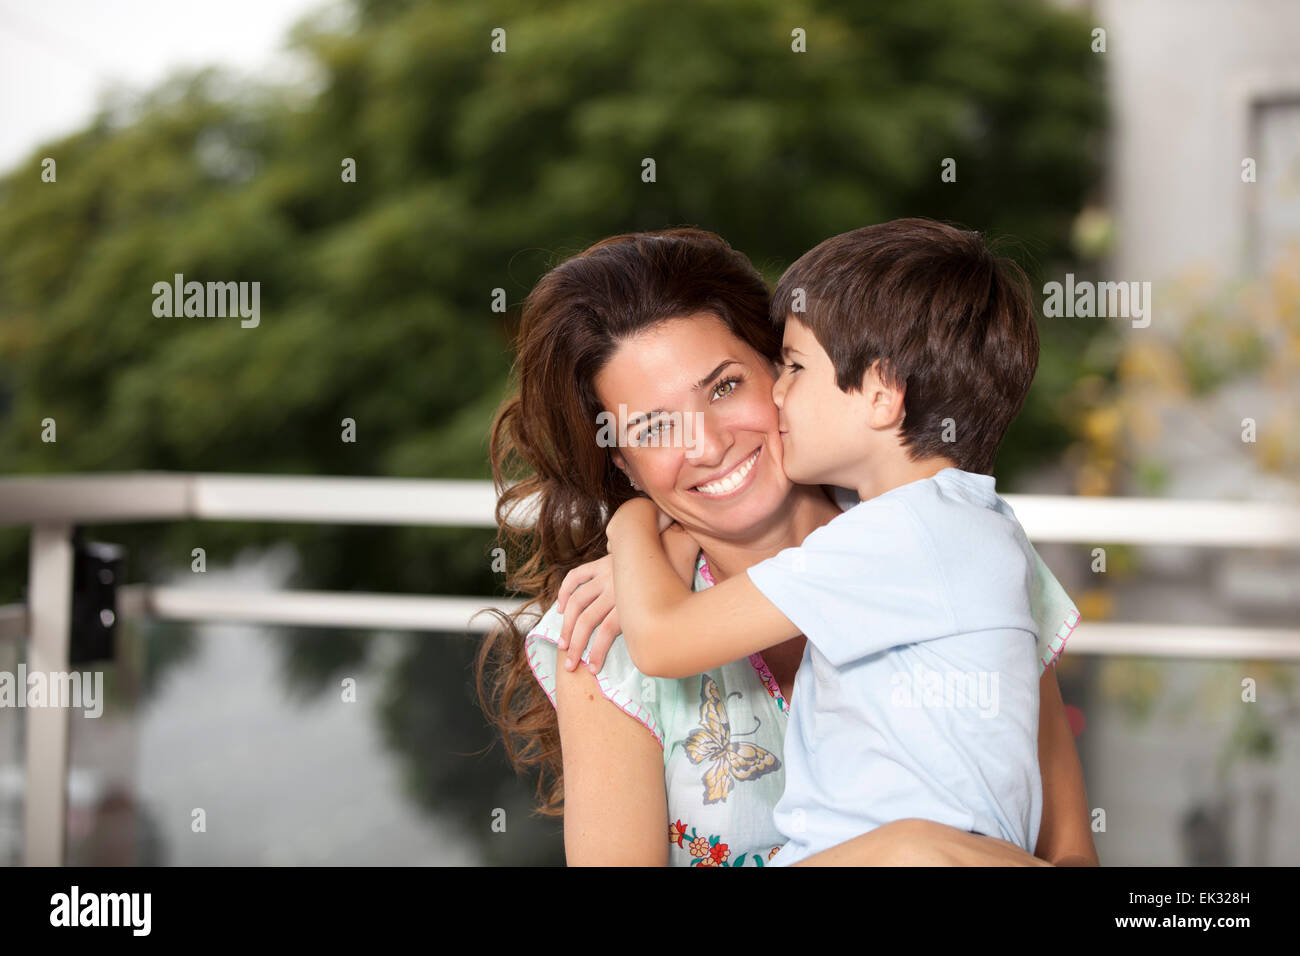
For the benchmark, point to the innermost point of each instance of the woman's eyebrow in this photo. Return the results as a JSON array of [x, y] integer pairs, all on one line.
[[645, 416], [714, 374]]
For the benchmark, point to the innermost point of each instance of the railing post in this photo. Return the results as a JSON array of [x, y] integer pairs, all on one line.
[[49, 616]]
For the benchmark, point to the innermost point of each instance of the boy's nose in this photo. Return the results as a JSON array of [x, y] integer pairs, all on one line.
[[778, 390]]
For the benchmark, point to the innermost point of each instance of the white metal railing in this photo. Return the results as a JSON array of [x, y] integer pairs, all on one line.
[[52, 505]]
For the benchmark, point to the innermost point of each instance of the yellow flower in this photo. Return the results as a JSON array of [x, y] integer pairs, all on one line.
[[1143, 422], [1091, 480], [1095, 604], [1101, 425]]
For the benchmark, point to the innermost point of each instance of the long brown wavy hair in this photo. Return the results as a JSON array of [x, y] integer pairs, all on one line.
[[555, 484]]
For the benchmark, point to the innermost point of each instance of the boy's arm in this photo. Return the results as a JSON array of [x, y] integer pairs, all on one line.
[[587, 600], [682, 551], [671, 631]]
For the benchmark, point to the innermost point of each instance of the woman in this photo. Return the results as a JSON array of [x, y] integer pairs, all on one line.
[[674, 321]]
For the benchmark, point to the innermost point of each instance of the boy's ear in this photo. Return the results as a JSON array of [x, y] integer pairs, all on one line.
[[885, 407]]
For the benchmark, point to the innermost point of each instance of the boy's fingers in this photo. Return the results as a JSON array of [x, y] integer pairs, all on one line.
[[573, 580], [579, 600], [583, 627], [603, 640]]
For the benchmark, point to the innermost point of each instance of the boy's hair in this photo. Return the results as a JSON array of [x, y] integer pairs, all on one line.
[[951, 322]]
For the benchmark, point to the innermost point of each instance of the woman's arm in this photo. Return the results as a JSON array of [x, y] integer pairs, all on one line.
[[1065, 836], [915, 842], [615, 802]]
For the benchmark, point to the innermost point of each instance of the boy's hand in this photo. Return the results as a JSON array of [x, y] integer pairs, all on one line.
[[587, 601]]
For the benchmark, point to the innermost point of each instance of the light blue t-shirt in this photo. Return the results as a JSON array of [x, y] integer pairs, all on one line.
[[917, 695]]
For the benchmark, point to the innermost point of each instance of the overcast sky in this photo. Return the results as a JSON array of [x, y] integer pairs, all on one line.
[[58, 56]]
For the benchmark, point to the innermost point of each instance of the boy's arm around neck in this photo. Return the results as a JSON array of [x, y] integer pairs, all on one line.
[[670, 631]]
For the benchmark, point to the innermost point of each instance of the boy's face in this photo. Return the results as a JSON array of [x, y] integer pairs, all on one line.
[[824, 431]]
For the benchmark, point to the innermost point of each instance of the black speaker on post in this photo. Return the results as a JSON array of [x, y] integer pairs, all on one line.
[[97, 569]]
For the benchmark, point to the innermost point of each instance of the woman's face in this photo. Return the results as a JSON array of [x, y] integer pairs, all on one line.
[[717, 465]]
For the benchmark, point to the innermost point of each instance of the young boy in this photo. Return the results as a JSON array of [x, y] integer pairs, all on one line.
[[908, 349]]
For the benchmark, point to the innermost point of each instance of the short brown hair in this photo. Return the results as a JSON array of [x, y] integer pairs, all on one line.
[[951, 322]]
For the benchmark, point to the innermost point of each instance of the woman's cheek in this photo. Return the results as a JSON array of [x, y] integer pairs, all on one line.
[[762, 413]]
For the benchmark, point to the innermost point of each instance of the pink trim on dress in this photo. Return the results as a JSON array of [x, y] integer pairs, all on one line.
[[613, 694], [765, 675], [1062, 635], [703, 567]]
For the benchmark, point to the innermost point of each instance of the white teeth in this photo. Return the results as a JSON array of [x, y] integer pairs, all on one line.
[[723, 485]]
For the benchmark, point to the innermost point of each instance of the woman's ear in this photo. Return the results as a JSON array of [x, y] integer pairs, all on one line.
[[621, 463]]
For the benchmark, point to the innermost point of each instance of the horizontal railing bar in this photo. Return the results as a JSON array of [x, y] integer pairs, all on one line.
[[372, 501], [1157, 521], [309, 608], [105, 498], [1115, 639], [463, 614], [153, 496], [142, 496]]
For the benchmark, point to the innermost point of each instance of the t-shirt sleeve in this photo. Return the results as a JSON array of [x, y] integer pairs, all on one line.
[[863, 582], [622, 684], [1055, 613]]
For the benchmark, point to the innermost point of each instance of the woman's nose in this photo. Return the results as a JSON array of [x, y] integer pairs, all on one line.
[[712, 438]]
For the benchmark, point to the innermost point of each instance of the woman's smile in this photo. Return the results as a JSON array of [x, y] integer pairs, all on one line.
[[733, 482]]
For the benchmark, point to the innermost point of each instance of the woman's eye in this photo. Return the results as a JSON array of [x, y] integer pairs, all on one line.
[[656, 429], [792, 366], [727, 383]]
